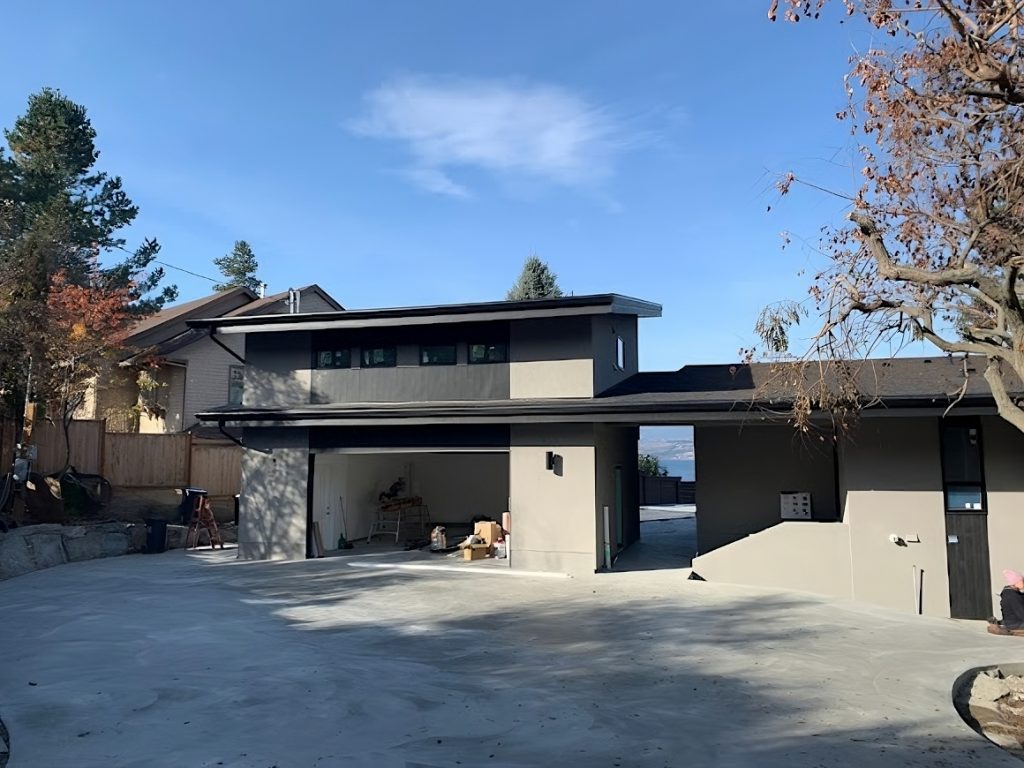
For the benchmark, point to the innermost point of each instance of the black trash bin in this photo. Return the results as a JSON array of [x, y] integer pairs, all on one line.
[[156, 536], [188, 502]]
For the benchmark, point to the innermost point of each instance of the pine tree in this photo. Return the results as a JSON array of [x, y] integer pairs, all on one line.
[[239, 268], [536, 281], [62, 313]]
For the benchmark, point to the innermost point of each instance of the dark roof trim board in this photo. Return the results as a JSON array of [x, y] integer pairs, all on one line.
[[735, 390], [569, 306]]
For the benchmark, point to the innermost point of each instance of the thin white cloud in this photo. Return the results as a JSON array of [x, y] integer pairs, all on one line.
[[506, 128]]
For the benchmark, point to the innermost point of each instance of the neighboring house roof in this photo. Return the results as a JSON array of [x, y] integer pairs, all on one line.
[[278, 303], [737, 388], [167, 331], [568, 306], [206, 306]]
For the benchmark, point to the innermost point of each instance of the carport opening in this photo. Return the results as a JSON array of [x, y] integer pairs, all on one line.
[[667, 466], [454, 488]]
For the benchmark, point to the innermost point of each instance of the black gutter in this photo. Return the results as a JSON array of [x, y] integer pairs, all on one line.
[[225, 347], [595, 408]]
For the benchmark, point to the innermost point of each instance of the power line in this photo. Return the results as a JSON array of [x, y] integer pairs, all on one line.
[[171, 266], [186, 271]]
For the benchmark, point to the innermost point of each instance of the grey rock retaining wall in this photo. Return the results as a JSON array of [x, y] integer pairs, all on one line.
[[34, 547]]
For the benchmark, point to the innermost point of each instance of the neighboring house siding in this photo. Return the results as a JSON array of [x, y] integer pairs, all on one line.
[[206, 384]]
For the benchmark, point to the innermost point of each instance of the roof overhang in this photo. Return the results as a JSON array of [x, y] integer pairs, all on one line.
[[570, 306], [596, 410]]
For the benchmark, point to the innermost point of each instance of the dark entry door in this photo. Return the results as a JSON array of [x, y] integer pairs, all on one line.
[[970, 593], [970, 579]]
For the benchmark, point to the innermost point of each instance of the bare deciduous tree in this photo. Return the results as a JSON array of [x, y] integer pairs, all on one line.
[[934, 245]]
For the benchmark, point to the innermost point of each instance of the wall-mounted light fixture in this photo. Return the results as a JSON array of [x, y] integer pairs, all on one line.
[[549, 460]]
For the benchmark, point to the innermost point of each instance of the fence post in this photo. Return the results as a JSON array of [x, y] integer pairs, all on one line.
[[188, 469]]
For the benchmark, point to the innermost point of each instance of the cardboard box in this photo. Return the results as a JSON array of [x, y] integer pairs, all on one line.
[[476, 551], [489, 532]]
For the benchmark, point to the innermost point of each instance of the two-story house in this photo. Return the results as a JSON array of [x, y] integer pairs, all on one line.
[[535, 406], [338, 406]]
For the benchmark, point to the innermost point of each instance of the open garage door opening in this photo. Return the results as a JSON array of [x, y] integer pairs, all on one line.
[[391, 499]]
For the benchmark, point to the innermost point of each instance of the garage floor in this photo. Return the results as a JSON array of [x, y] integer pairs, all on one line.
[[198, 660]]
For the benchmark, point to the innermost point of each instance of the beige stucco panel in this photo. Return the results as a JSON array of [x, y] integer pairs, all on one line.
[[802, 556], [553, 512], [891, 479], [1003, 449], [741, 470], [272, 507], [551, 378]]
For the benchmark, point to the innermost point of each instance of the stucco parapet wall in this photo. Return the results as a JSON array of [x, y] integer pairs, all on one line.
[[35, 547]]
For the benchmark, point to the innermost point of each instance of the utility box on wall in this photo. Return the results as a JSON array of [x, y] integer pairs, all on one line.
[[795, 505]]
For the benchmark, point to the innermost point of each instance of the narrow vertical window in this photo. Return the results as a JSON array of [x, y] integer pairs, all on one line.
[[236, 384], [620, 353], [963, 483]]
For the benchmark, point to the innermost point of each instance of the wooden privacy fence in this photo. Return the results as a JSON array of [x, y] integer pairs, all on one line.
[[666, 490], [146, 461], [141, 461], [85, 437]]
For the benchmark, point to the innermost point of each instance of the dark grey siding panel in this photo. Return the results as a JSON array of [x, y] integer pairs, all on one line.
[[412, 383], [564, 338], [439, 436], [277, 368]]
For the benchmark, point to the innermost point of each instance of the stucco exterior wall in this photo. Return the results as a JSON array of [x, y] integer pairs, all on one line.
[[551, 358], [891, 483], [277, 372], [802, 556], [1003, 452], [605, 329], [616, 446], [553, 512], [273, 502], [742, 470]]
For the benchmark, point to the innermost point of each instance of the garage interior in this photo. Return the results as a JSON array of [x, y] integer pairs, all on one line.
[[455, 487]]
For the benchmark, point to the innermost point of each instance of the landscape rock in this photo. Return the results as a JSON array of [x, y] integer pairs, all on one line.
[[988, 689], [47, 549], [176, 536], [136, 537], [15, 557], [88, 542]]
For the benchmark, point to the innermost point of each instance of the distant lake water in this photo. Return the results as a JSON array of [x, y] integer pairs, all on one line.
[[683, 468]]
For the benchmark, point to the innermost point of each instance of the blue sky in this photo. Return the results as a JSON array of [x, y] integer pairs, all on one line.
[[405, 153]]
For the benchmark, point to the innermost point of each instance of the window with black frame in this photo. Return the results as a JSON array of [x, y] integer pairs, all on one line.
[[334, 358], [488, 353], [962, 475], [437, 354], [378, 357]]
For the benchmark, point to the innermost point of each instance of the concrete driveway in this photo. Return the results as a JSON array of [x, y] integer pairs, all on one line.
[[197, 660]]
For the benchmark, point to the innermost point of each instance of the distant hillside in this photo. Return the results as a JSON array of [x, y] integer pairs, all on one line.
[[677, 450]]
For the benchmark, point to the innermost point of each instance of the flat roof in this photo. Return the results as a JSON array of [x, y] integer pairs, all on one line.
[[566, 306]]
